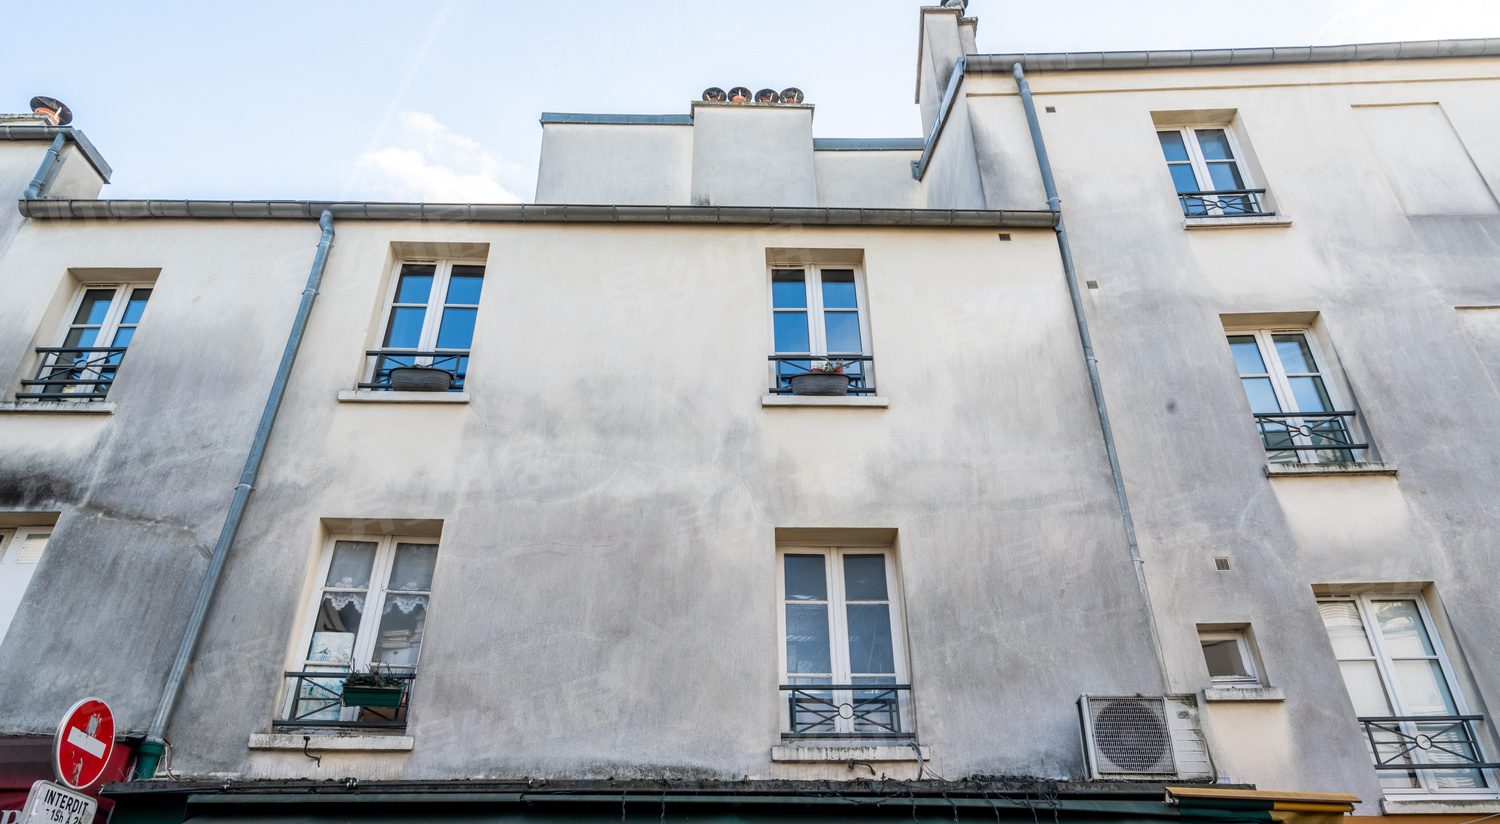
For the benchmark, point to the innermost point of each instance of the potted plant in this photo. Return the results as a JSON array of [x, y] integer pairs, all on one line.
[[417, 378], [375, 688], [825, 378]]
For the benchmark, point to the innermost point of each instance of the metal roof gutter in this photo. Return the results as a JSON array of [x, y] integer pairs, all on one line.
[[1194, 58], [68, 133], [537, 213], [618, 119]]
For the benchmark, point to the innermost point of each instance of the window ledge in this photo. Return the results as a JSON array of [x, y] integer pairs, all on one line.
[[325, 743], [1438, 806], [372, 396], [1244, 694], [799, 752], [1235, 222], [84, 407], [1340, 469], [868, 401]]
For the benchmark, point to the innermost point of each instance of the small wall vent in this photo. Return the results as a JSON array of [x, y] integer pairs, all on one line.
[[1221, 564], [1143, 737]]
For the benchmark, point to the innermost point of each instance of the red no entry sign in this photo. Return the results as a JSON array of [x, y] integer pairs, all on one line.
[[85, 739]]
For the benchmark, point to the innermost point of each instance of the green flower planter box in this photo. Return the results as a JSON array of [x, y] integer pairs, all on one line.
[[373, 696]]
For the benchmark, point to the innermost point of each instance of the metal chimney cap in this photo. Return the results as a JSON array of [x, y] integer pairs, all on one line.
[[54, 108]]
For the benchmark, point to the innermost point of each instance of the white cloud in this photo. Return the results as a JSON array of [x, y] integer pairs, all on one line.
[[433, 164]]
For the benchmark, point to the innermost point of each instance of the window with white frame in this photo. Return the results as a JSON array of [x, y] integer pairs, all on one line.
[[843, 667], [428, 322], [1402, 685], [1296, 407], [1230, 659], [1208, 172], [368, 614], [21, 550], [81, 363], [819, 322]]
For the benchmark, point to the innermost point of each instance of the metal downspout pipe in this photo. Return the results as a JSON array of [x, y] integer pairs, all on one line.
[[47, 171], [1055, 204], [151, 750]]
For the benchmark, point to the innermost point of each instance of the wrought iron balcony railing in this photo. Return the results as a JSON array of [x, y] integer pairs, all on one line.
[[384, 360], [858, 368], [316, 699], [1223, 203], [73, 373], [1426, 742], [1325, 434], [847, 710]]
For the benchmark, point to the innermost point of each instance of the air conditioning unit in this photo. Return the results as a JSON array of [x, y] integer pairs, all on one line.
[[1144, 738]]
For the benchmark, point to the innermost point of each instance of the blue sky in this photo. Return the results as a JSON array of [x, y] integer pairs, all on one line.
[[439, 101]]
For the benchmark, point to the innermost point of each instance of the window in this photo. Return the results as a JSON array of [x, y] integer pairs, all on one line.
[[841, 623], [428, 322], [81, 363], [21, 550], [1401, 685], [1208, 172], [1295, 407], [818, 318], [1231, 662], [369, 613]]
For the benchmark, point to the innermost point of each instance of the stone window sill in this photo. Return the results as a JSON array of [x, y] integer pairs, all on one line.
[[866, 401], [1244, 694], [76, 407], [1439, 806], [1331, 469], [371, 396], [1235, 222], [844, 752], [327, 743]]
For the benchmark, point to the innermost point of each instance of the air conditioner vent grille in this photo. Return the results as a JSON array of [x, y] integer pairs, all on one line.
[[1131, 736]]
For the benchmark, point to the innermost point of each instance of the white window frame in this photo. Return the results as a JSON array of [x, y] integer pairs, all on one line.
[[369, 628], [12, 542], [109, 327], [1200, 164], [817, 332], [432, 321], [1247, 657], [1281, 386], [838, 629], [1385, 667]]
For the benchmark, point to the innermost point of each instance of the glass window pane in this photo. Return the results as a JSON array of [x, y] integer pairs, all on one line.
[[870, 649], [1401, 625], [788, 290], [1345, 630], [136, 306], [416, 283], [864, 578], [1262, 396], [843, 332], [1424, 687], [1246, 355], [1226, 177], [1310, 394], [457, 331], [413, 567], [405, 331], [465, 289], [1183, 180], [804, 578], [1172, 146], [81, 337], [123, 336], [1365, 690], [1214, 143], [339, 614], [807, 639], [1296, 357], [352, 561], [94, 307], [401, 627], [838, 289], [791, 332], [1224, 658]]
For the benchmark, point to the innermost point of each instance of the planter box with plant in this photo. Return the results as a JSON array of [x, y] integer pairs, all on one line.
[[826, 378], [373, 689]]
